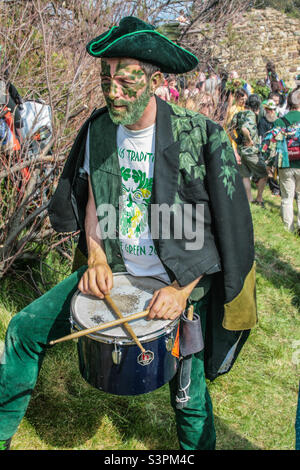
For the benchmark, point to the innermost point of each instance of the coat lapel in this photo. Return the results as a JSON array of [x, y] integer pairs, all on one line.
[[166, 167], [107, 147]]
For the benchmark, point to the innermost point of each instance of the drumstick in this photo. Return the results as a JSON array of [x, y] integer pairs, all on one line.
[[127, 327], [190, 314], [103, 326]]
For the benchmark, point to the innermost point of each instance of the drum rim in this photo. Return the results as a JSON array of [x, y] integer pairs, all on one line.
[[121, 340], [128, 341]]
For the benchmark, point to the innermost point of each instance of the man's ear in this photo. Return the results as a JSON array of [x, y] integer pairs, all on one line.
[[156, 80]]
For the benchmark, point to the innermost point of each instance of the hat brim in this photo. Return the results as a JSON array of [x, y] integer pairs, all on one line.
[[144, 45]]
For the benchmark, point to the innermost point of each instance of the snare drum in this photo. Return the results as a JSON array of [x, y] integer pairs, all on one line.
[[110, 360]]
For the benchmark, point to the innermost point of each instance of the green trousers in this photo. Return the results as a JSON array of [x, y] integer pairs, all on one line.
[[47, 318]]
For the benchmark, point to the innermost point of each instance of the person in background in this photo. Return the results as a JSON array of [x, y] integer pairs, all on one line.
[[224, 94], [240, 98], [191, 91], [174, 93], [269, 117], [204, 103], [207, 105], [10, 97], [212, 84], [163, 91], [248, 147], [289, 177], [280, 101], [271, 75], [234, 77], [265, 124], [201, 80]]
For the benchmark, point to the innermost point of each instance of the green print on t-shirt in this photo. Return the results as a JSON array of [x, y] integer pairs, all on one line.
[[134, 156], [135, 200]]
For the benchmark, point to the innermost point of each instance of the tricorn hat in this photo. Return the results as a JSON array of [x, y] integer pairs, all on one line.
[[139, 40]]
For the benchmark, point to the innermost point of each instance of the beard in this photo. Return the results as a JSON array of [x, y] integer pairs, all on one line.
[[132, 111]]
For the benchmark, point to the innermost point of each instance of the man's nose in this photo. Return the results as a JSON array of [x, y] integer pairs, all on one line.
[[114, 90]]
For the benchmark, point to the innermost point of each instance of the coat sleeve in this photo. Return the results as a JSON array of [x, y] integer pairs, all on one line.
[[232, 308], [67, 206], [233, 230], [62, 209]]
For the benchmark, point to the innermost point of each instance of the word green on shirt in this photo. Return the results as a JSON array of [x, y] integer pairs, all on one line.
[[138, 250]]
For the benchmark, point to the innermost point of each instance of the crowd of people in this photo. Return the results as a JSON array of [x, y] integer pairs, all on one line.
[[249, 120]]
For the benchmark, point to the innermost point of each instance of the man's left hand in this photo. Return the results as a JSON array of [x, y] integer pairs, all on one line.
[[168, 303]]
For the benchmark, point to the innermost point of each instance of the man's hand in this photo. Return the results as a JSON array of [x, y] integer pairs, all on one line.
[[249, 143], [168, 303], [97, 280]]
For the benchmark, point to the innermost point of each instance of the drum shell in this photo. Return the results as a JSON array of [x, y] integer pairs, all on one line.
[[128, 377]]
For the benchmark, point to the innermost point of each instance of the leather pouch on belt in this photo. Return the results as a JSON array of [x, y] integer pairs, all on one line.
[[190, 335]]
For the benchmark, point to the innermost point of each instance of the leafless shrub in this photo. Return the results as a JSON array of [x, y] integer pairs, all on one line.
[[208, 22]]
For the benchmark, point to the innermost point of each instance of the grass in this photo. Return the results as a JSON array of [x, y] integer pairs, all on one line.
[[254, 404]]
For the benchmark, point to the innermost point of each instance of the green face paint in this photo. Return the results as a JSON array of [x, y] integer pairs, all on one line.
[[105, 69], [132, 111], [128, 108]]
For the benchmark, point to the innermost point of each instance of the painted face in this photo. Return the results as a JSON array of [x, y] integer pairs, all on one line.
[[126, 89], [242, 100], [271, 112]]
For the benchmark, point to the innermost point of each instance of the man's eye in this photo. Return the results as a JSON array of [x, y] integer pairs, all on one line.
[[126, 82]]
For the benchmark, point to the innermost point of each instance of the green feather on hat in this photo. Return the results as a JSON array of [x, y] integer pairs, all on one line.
[[136, 39]]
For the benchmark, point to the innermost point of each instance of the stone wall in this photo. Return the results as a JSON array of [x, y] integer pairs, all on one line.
[[260, 36]]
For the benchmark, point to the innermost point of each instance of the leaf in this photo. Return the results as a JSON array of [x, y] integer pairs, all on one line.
[[125, 173], [196, 135], [139, 177], [186, 144], [186, 161], [215, 141], [199, 171], [178, 110], [184, 124]]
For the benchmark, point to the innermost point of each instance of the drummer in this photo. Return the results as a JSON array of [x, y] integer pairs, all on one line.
[[157, 154]]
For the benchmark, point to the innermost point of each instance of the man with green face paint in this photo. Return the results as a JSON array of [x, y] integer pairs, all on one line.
[[146, 152]]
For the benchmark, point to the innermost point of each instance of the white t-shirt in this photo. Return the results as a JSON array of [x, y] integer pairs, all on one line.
[[136, 152]]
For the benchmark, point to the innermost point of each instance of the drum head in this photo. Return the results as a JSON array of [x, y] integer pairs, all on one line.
[[131, 295]]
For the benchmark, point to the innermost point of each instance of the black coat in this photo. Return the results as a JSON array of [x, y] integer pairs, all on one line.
[[222, 191]]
